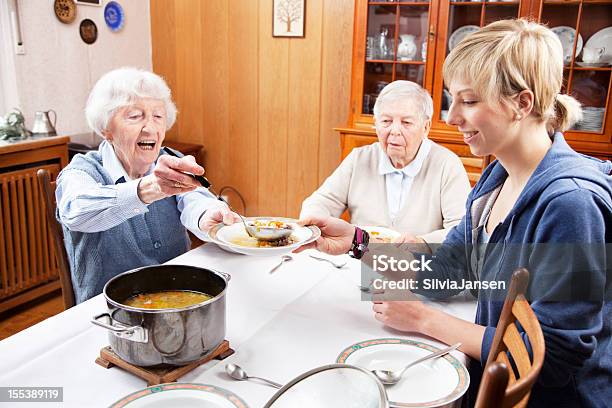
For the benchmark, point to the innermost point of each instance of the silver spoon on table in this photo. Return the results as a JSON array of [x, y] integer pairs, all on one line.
[[393, 377], [336, 265], [284, 258], [237, 373]]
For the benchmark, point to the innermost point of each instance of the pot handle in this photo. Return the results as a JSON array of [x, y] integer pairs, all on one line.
[[226, 275], [134, 333]]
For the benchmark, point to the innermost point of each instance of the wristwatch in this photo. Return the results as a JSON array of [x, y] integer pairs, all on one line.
[[360, 243]]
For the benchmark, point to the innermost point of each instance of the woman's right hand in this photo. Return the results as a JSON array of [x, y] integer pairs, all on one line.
[[336, 235], [168, 178]]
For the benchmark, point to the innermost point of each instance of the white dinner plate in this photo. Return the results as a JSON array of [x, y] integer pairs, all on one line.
[[184, 395], [566, 36], [383, 234], [459, 34], [602, 38], [226, 236], [429, 384]]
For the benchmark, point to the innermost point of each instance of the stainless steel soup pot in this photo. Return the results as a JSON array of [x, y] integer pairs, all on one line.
[[151, 337]]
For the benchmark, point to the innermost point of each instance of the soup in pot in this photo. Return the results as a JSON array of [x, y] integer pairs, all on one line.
[[167, 299]]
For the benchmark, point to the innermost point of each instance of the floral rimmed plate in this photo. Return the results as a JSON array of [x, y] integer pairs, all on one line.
[[234, 238], [184, 395], [566, 36], [429, 384], [459, 34]]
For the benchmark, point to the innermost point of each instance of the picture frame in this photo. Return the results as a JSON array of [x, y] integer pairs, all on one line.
[[97, 3], [288, 18]]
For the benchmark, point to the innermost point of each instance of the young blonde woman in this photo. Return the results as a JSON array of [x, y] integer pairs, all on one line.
[[505, 80]]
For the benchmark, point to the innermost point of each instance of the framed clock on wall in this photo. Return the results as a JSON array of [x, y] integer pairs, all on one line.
[[65, 10]]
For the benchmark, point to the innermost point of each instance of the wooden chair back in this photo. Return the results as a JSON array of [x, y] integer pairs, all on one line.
[[48, 188], [504, 385]]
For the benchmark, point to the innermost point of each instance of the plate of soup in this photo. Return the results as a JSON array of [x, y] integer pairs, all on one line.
[[234, 238]]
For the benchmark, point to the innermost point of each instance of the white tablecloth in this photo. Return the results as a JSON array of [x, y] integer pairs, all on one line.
[[280, 325]]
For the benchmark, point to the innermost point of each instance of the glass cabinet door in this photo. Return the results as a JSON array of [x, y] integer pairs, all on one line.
[[587, 58], [465, 17], [396, 46]]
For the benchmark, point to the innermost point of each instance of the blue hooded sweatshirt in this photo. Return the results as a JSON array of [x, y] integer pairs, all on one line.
[[567, 200]]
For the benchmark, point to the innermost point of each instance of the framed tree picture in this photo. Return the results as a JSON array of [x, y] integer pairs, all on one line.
[[288, 18]]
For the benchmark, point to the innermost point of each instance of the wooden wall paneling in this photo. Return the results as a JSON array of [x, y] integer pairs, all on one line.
[[263, 107], [214, 126], [304, 110], [337, 43], [244, 101], [272, 126], [189, 68], [163, 40]]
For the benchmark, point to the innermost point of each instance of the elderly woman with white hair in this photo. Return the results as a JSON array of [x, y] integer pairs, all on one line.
[[405, 181], [129, 204]]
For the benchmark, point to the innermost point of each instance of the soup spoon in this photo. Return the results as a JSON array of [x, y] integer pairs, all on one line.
[[336, 265], [393, 377], [284, 258], [237, 373]]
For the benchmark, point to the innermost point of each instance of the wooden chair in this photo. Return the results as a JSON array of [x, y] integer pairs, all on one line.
[[48, 189], [502, 385]]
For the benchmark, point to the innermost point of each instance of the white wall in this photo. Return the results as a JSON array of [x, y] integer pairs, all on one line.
[[58, 68], [9, 97]]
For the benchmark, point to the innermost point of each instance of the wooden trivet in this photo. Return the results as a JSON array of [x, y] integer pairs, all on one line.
[[160, 375]]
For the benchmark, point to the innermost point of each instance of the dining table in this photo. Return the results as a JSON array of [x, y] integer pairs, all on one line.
[[279, 324]]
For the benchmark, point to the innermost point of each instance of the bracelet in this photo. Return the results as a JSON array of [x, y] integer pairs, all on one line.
[[359, 247]]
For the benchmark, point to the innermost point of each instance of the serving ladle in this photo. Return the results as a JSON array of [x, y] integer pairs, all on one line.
[[393, 377], [260, 233], [268, 233], [237, 373]]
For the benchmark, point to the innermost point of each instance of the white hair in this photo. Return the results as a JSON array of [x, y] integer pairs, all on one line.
[[406, 90], [121, 87]]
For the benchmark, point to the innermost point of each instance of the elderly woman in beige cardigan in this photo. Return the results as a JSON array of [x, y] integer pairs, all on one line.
[[405, 181]]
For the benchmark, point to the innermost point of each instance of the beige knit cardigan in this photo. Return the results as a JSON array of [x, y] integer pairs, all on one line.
[[435, 203]]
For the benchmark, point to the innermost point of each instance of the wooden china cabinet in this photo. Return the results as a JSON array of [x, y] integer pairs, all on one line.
[[410, 40]]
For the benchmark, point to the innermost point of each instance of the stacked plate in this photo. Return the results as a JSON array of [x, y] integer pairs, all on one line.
[[592, 119]]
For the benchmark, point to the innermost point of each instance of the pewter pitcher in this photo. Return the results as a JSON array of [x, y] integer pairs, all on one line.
[[42, 124]]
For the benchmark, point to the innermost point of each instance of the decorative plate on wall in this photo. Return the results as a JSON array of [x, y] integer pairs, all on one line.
[[88, 31], [114, 16], [65, 10]]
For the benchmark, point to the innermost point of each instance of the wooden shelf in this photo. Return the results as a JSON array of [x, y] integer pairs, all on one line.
[[576, 2], [579, 68], [401, 3], [466, 3], [486, 4]]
